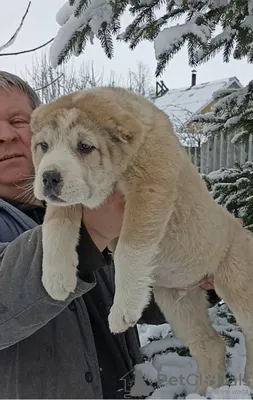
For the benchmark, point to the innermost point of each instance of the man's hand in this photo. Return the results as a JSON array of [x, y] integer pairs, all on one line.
[[104, 223], [207, 283]]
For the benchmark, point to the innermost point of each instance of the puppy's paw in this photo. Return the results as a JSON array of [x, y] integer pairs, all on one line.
[[122, 318], [59, 276]]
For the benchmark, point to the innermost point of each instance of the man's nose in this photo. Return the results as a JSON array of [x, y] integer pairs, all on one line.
[[7, 132]]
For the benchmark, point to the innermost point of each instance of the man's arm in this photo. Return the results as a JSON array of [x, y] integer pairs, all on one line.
[[25, 306]]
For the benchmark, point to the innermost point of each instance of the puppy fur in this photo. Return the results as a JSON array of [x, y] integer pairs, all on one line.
[[173, 232]]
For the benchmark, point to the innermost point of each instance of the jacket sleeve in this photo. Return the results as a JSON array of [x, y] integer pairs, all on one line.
[[25, 306]]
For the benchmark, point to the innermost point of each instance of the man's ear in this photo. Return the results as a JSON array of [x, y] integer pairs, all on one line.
[[119, 123]]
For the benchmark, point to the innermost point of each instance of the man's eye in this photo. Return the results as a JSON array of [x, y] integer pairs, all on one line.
[[19, 122], [43, 146]]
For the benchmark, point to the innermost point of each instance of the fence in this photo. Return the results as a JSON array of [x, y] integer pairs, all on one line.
[[219, 151]]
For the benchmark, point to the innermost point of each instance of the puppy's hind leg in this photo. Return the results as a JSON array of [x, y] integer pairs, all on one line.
[[60, 232], [234, 284], [189, 319]]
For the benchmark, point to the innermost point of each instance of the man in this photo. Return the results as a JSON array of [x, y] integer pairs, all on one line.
[[53, 349]]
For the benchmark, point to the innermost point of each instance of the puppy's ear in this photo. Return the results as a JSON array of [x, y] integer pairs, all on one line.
[[122, 126], [119, 123], [47, 113], [36, 122]]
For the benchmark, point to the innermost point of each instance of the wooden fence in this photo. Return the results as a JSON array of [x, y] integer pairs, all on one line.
[[220, 152]]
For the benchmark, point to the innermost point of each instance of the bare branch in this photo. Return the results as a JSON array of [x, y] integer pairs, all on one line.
[[26, 51], [51, 83], [14, 37]]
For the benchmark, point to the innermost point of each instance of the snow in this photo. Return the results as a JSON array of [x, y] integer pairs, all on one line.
[[248, 22], [149, 372], [179, 3], [232, 113], [218, 3], [250, 6], [198, 24], [160, 345], [97, 12], [237, 136], [232, 121], [146, 331], [223, 37], [169, 37], [64, 13], [146, 2], [209, 129], [182, 104], [175, 375]]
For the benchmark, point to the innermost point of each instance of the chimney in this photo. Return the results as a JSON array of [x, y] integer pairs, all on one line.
[[194, 77]]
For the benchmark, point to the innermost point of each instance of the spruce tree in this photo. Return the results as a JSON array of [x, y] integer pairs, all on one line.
[[232, 113], [160, 347], [233, 189], [202, 17], [83, 20]]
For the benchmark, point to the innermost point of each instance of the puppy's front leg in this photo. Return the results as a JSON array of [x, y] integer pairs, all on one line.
[[60, 232], [146, 216]]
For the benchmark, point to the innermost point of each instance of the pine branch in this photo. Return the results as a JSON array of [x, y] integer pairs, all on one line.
[[82, 6], [198, 31], [229, 340], [231, 113], [232, 188], [105, 37]]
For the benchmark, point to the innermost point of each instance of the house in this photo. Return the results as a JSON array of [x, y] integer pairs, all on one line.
[[182, 104]]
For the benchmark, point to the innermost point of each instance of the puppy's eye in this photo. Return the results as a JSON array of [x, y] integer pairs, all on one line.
[[43, 146], [85, 148]]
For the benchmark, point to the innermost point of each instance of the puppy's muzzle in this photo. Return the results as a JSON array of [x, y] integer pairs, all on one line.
[[52, 183]]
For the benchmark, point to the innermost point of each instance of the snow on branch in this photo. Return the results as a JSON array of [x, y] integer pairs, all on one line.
[[170, 37], [82, 20], [232, 113], [94, 15], [233, 189]]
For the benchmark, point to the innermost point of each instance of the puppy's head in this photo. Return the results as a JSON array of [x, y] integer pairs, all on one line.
[[81, 145]]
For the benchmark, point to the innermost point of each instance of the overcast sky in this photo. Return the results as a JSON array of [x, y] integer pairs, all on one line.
[[40, 26]]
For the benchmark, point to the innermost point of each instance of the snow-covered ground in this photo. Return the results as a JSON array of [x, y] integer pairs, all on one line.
[[167, 360]]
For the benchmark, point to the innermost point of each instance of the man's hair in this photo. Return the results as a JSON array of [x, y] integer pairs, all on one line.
[[8, 81]]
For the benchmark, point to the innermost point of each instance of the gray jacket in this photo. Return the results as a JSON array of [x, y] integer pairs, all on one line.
[[46, 349]]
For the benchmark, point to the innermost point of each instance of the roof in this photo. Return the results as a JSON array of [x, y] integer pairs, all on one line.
[[182, 104]]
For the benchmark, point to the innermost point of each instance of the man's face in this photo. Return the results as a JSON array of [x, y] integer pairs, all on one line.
[[15, 138]]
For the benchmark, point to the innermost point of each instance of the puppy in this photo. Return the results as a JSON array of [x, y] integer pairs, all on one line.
[[88, 143]]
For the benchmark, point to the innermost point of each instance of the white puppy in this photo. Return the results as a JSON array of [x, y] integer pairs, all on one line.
[[87, 144]]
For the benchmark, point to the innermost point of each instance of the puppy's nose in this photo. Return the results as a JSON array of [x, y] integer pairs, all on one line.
[[51, 179]]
